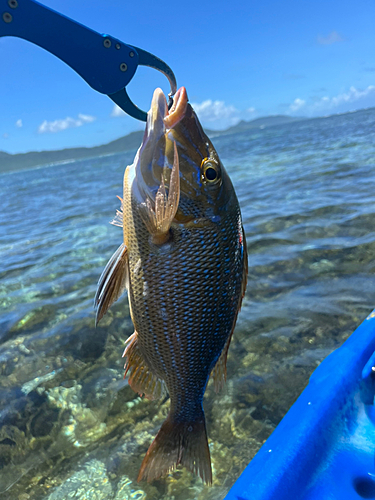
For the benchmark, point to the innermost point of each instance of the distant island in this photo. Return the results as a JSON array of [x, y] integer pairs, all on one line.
[[13, 162], [9, 162], [266, 121]]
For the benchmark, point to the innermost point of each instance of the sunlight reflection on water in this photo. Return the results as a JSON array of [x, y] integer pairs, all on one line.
[[68, 419]]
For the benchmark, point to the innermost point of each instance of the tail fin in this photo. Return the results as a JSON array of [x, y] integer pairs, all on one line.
[[178, 443]]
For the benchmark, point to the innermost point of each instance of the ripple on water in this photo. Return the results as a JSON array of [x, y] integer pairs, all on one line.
[[69, 424]]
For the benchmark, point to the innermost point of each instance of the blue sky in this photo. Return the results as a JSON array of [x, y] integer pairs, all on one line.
[[237, 61]]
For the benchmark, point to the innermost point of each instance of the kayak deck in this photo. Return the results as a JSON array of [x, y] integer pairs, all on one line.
[[325, 445]]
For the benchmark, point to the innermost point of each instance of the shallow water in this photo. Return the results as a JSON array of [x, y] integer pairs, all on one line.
[[69, 424]]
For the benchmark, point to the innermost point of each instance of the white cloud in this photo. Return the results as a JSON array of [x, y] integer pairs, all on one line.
[[19, 123], [68, 122], [5, 136], [297, 104], [341, 103], [216, 114], [213, 110], [333, 37], [212, 114], [351, 96], [344, 100], [117, 111]]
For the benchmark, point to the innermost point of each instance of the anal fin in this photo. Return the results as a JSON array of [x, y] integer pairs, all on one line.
[[141, 378], [112, 282]]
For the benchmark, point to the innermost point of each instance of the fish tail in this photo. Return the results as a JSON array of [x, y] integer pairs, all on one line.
[[178, 443]]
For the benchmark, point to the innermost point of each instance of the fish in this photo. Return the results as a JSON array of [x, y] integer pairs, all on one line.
[[183, 262]]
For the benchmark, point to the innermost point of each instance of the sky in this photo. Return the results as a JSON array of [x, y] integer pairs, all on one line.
[[238, 61]]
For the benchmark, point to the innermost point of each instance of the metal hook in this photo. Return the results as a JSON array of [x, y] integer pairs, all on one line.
[[122, 99]]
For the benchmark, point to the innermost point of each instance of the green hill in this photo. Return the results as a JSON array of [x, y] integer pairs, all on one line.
[[266, 121], [23, 161], [13, 162]]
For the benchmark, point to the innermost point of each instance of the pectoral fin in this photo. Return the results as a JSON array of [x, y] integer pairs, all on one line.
[[119, 217], [159, 220], [112, 282]]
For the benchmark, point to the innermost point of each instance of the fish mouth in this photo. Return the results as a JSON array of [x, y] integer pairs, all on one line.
[[177, 112], [155, 158], [169, 132], [160, 118], [157, 142]]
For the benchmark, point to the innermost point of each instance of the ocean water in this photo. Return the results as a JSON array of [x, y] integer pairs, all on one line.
[[70, 426]]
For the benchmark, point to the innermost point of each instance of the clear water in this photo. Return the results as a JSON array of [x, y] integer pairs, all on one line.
[[70, 427]]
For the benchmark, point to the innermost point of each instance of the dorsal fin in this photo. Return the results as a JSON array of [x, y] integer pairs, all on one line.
[[112, 282]]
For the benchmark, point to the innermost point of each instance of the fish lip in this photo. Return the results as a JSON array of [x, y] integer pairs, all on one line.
[[178, 109], [158, 110], [156, 141], [160, 119]]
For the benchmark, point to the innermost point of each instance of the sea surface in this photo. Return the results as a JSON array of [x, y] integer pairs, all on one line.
[[70, 426]]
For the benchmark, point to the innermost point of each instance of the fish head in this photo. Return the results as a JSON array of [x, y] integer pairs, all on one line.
[[205, 187]]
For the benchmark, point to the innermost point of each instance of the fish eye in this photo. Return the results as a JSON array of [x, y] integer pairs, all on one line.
[[210, 174], [211, 170]]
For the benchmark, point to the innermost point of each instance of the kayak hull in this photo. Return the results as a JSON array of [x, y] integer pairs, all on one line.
[[324, 448]]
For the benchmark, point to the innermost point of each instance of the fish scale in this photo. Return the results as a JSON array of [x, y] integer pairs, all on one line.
[[185, 260], [189, 302]]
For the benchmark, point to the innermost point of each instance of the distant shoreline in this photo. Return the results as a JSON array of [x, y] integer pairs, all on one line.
[[132, 141]]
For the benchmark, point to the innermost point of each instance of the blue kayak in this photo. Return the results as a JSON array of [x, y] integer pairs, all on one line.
[[324, 448]]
